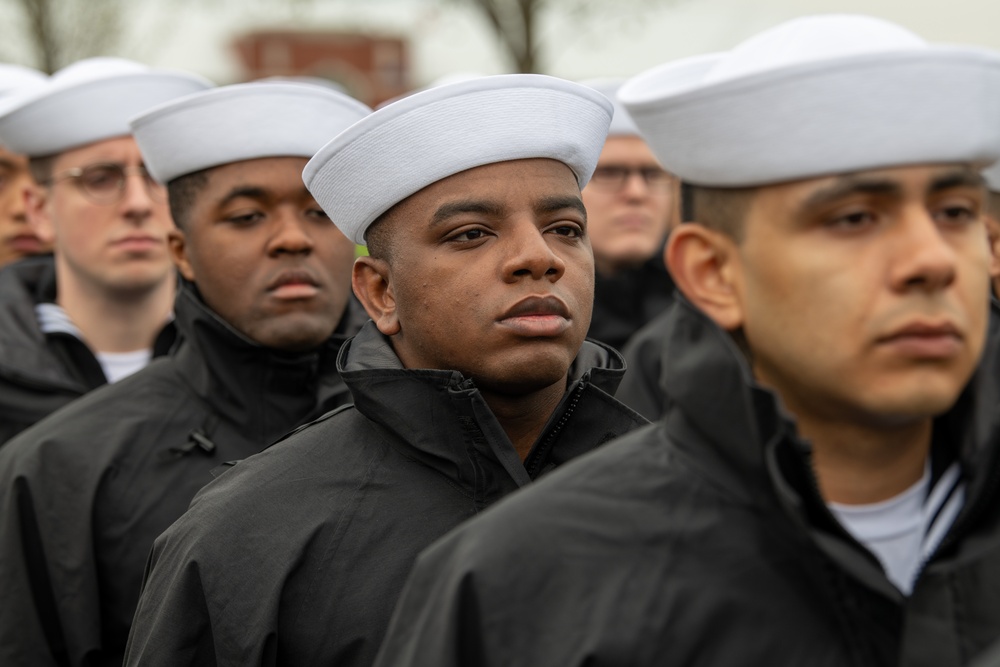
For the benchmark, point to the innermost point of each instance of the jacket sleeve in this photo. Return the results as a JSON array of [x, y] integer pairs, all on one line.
[[172, 624], [48, 583], [641, 388], [209, 594], [437, 620]]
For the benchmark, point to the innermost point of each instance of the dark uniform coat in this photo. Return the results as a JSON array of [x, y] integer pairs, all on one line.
[[623, 303], [41, 372], [703, 540], [84, 493], [642, 388], [296, 556]]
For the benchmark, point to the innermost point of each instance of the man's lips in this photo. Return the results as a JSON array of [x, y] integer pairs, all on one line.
[[26, 243], [537, 316], [923, 339], [293, 284], [137, 242]]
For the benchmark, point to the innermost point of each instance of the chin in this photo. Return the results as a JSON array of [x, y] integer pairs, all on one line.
[[521, 379], [299, 338]]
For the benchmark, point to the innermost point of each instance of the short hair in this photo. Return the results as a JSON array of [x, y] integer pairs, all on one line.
[[378, 236], [181, 194], [722, 209], [993, 205], [41, 168]]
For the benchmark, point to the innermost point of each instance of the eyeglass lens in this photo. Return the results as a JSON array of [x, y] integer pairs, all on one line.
[[615, 176], [106, 182]]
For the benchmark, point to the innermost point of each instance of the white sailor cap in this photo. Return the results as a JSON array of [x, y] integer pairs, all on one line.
[[241, 122], [992, 176], [622, 124], [816, 96], [89, 101], [410, 144], [18, 80]]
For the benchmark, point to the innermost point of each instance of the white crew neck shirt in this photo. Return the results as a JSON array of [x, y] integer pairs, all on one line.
[[118, 365], [904, 530]]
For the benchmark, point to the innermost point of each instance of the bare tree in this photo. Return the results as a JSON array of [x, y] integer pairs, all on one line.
[[56, 32], [517, 24]]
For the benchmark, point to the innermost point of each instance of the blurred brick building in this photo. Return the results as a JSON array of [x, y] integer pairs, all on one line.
[[372, 69]]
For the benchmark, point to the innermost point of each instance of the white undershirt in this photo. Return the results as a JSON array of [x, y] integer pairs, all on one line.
[[904, 530], [118, 365]]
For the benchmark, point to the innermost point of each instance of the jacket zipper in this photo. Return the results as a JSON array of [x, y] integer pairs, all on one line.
[[541, 452]]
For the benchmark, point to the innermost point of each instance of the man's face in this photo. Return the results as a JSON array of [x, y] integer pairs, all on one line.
[[264, 255], [492, 275], [628, 216], [116, 245], [865, 297], [17, 238]]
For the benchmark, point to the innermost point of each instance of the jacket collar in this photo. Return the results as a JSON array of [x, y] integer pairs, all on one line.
[[440, 418], [708, 378], [24, 353], [258, 389], [716, 410]]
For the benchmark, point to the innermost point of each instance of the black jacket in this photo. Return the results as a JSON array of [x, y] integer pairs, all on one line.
[[623, 303], [296, 556], [84, 492], [40, 373], [642, 387], [703, 540]]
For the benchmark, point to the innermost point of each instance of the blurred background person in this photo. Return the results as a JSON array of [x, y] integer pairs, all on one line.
[[629, 202], [100, 309], [992, 176], [17, 238], [262, 312]]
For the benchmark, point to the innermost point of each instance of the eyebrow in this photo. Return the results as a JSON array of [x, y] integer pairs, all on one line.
[[554, 204], [959, 178], [248, 191], [849, 185], [451, 209]]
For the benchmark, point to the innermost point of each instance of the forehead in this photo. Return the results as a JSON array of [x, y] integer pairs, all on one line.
[[269, 174], [119, 149], [626, 150], [504, 182], [9, 159]]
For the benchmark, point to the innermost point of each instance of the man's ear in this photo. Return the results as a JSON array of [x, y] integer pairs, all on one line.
[[372, 283], [993, 234], [178, 252], [37, 211], [705, 265]]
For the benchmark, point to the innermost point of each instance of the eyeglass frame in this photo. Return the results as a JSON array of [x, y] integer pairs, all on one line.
[[656, 179], [155, 190]]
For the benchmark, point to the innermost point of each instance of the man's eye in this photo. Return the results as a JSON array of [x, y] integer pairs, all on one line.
[[957, 215], [317, 213], [469, 235], [853, 220], [101, 178], [568, 230], [244, 218]]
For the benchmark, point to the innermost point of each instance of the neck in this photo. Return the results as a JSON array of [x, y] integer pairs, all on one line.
[[523, 416], [862, 464], [116, 321]]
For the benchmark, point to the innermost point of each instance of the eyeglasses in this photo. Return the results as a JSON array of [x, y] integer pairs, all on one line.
[[612, 177], [105, 182]]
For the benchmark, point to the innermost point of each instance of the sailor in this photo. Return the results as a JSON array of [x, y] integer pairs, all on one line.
[[822, 488], [101, 309], [472, 380], [263, 308]]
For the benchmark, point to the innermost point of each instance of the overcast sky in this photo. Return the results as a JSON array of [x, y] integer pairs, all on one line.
[[445, 37]]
